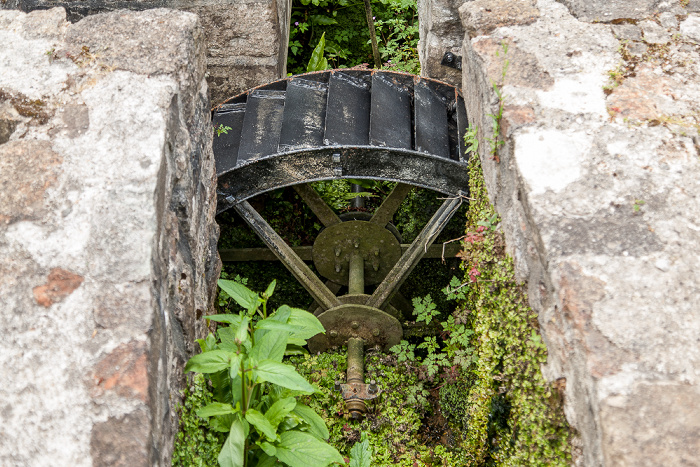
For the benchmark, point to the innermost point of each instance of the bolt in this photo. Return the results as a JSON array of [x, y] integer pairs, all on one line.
[[355, 325], [357, 243], [337, 386], [372, 389], [376, 333], [333, 333], [375, 267], [449, 57], [337, 268], [337, 251], [376, 252]]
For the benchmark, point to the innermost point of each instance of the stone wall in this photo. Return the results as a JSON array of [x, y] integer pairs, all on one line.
[[598, 186], [246, 40], [107, 238]]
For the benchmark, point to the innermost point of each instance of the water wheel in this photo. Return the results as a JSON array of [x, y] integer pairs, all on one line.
[[339, 124]]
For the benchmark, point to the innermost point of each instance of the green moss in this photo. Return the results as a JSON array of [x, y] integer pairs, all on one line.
[[394, 422], [195, 444], [515, 417]]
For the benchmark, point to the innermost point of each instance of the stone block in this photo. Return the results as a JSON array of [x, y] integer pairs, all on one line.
[[597, 186], [250, 35], [107, 232], [603, 11]]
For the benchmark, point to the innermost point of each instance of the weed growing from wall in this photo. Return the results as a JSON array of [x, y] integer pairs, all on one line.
[[514, 416]]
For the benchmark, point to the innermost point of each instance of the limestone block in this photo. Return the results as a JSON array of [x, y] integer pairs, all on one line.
[[609, 10], [246, 40], [107, 232], [598, 185]]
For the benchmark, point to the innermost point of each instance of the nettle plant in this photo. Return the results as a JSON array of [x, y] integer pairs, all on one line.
[[256, 394]]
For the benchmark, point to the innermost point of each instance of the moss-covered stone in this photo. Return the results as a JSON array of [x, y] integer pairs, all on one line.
[[515, 416]]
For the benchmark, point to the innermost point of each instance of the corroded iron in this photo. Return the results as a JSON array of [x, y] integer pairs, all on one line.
[[337, 245], [372, 325]]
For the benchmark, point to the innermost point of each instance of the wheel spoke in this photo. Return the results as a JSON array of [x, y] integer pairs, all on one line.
[[385, 213], [398, 274], [319, 207], [286, 254]]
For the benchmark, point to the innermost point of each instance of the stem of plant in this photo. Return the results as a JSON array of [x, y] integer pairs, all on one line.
[[372, 34]]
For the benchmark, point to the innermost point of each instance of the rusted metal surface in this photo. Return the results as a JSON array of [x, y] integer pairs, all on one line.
[[335, 247], [354, 389], [372, 325]]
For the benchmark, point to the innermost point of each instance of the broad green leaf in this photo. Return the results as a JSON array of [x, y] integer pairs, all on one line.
[[233, 450], [235, 366], [295, 350], [270, 346], [267, 448], [318, 62], [215, 408], [296, 341], [242, 330], [272, 325], [299, 449], [270, 289], [306, 324], [222, 423], [240, 294], [209, 362], [277, 411], [317, 426], [230, 319], [261, 423], [282, 375], [207, 344], [227, 337], [267, 461], [361, 454]]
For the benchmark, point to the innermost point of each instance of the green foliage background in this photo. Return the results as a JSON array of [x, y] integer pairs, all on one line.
[[347, 36]]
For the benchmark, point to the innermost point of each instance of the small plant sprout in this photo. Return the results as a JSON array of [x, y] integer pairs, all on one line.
[[221, 129], [471, 139], [638, 203]]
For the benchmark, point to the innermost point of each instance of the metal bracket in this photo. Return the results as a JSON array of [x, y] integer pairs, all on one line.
[[451, 60], [360, 391]]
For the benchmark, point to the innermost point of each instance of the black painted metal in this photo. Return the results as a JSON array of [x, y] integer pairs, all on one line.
[[347, 112], [390, 121], [431, 122], [261, 125], [347, 123], [304, 115]]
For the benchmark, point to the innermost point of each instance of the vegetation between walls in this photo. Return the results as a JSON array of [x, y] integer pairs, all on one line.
[[514, 417]]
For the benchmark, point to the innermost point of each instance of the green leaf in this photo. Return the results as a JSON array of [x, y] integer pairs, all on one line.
[[361, 454], [230, 319], [209, 362], [267, 448], [215, 408], [240, 294], [270, 289], [318, 62], [317, 426], [271, 346], [277, 411], [267, 461], [271, 325], [261, 423], [233, 450], [299, 449], [306, 324], [282, 375], [242, 330], [222, 423]]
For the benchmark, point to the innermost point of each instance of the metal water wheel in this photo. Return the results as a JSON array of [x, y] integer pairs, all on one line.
[[358, 124]]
